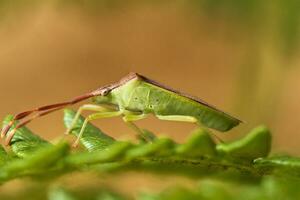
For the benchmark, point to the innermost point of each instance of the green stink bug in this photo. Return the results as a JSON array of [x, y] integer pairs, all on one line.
[[135, 97]]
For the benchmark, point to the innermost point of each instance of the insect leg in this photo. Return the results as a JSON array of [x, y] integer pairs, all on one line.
[[89, 107], [134, 117], [129, 117], [183, 118], [95, 116], [179, 118]]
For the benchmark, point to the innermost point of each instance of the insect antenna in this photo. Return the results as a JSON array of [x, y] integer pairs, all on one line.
[[41, 111]]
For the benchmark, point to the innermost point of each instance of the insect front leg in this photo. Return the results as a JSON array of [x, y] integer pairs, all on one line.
[[95, 116], [86, 107], [129, 117]]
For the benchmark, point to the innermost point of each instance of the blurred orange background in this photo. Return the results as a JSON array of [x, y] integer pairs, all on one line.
[[242, 58]]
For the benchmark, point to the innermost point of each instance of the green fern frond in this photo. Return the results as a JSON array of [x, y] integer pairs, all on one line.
[[244, 160]]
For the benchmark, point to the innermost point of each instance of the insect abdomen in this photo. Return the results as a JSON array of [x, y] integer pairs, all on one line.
[[165, 103]]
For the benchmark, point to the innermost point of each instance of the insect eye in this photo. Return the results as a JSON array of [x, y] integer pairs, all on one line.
[[104, 92]]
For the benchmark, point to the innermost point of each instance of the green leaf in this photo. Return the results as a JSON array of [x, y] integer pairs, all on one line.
[[24, 141], [93, 139], [254, 145], [110, 196], [60, 193], [111, 153], [175, 193], [40, 161], [197, 158], [198, 144], [3, 156], [281, 165], [159, 147]]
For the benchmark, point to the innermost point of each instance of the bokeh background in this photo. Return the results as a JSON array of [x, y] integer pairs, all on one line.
[[242, 56]]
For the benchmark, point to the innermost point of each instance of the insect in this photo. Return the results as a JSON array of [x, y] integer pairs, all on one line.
[[134, 97]]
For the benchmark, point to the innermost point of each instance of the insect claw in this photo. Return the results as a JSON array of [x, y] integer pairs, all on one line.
[[75, 144]]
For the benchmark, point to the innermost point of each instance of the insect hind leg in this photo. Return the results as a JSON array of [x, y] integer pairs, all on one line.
[[129, 117], [182, 118], [178, 118]]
